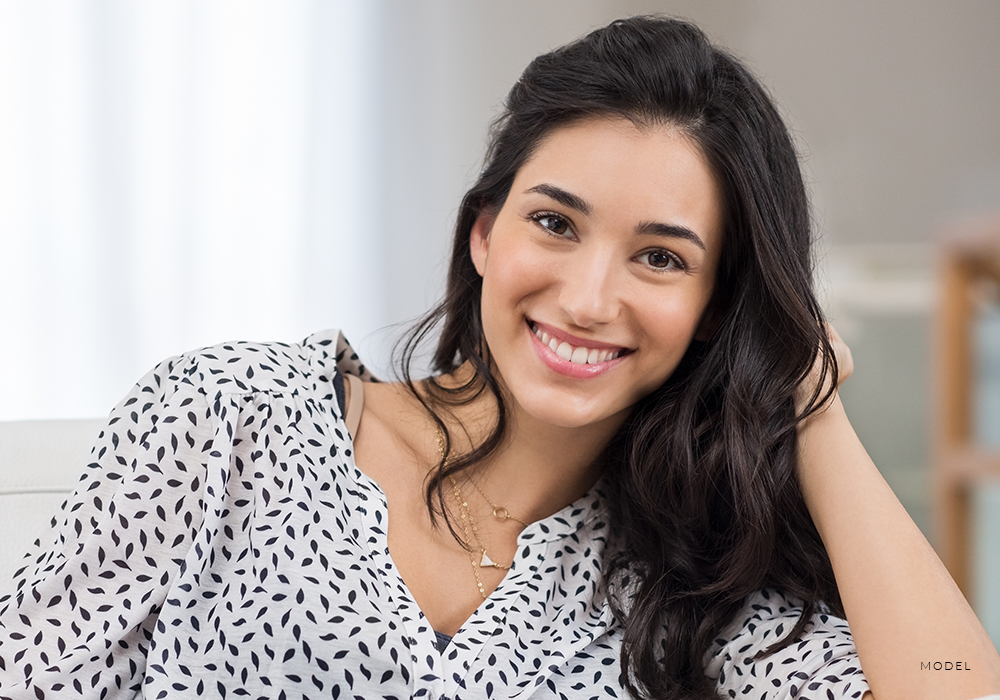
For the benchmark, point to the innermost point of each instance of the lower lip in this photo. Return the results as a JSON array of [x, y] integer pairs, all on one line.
[[570, 369]]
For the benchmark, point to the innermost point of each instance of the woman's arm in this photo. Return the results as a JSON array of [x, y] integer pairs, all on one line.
[[78, 619], [904, 609]]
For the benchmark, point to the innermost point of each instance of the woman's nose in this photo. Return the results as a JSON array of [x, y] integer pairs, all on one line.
[[589, 293]]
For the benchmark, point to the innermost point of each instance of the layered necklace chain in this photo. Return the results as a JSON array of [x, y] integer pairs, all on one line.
[[478, 556]]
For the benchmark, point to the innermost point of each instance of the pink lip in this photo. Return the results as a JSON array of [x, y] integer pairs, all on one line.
[[572, 369]]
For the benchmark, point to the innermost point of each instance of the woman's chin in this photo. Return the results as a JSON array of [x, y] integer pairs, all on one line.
[[565, 412]]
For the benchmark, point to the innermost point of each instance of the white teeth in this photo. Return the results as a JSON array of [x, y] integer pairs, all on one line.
[[576, 355]]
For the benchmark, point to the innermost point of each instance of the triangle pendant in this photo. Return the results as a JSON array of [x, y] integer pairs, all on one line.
[[486, 561]]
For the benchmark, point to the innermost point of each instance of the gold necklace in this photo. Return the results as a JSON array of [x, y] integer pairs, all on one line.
[[463, 509], [469, 528], [499, 512]]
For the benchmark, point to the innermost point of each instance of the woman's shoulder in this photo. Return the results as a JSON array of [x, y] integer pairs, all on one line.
[[245, 367]]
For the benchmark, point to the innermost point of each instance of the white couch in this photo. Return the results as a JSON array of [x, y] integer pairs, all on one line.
[[40, 462]]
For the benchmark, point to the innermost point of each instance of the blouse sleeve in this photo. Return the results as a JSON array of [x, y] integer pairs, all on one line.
[[823, 663], [77, 620]]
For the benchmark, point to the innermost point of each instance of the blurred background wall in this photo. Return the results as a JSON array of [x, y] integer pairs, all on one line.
[[177, 174]]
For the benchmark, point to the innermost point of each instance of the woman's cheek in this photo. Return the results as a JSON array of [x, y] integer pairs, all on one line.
[[524, 270]]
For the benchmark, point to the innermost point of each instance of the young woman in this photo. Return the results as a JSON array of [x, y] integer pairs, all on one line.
[[630, 474]]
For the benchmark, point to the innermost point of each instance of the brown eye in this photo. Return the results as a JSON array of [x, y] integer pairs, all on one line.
[[662, 260], [555, 225]]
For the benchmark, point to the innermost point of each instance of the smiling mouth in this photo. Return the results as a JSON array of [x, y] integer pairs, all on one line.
[[577, 354]]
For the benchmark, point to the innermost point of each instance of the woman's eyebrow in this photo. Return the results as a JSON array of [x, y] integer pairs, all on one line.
[[568, 199], [674, 231], [565, 198]]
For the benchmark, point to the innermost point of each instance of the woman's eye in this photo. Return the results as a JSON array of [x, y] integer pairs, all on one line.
[[662, 260], [555, 225]]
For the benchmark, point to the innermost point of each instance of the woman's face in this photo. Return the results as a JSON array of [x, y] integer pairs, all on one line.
[[598, 269]]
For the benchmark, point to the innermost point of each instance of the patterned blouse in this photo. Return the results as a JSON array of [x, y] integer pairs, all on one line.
[[223, 544]]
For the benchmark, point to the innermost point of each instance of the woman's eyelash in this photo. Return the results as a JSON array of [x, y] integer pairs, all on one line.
[[540, 217], [670, 259]]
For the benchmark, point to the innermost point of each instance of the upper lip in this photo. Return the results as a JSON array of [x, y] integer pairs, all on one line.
[[574, 340]]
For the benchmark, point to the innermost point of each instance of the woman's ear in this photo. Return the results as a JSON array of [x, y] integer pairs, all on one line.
[[479, 241]]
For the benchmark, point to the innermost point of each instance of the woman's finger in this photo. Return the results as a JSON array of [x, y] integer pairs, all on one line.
[[845, 361]]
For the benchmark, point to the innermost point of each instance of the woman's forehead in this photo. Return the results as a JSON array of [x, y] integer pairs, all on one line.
[[614, 169]]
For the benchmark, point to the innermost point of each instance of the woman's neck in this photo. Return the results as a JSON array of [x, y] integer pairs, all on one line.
[[540, 468]]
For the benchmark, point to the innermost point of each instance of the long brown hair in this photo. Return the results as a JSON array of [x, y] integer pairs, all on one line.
[[705, 504]]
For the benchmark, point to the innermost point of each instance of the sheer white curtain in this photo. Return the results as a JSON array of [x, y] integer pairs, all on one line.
[[174, 174]]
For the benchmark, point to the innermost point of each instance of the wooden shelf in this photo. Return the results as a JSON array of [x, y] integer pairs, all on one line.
[[969, 464], [970, 261]]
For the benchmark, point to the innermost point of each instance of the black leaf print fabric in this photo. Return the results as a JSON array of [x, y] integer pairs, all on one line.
[[222, 543]]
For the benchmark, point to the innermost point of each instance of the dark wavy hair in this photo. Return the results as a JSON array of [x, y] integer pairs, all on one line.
[[705, 505]]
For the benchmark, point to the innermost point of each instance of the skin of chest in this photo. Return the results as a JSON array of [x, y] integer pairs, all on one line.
[[395, 448]]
